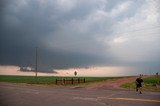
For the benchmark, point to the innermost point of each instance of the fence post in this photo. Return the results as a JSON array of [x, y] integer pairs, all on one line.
[[63, 81], [72, 80], [78, 80], [56, 81], [84, 80]]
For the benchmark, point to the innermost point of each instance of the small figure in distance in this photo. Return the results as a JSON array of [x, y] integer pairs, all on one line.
[[138, 82]]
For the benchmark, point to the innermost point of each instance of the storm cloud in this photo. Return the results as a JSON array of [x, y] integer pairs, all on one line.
[[80, 33]]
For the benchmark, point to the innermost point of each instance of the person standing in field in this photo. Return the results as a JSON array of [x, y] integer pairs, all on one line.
[[139, 84]]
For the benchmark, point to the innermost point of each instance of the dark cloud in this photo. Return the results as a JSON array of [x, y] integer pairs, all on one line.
[[67, 33], [23, 30]]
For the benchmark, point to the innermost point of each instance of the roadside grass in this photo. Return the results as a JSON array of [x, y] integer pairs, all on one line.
[[49, 80], [149, 84]]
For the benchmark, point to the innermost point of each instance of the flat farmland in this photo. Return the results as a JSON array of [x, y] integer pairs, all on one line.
[[49, 79]]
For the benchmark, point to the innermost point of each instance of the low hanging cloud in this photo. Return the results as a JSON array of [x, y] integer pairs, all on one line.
[[73, 33]]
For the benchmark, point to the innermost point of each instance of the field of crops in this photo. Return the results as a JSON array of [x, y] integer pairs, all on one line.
[[149, 84], [46, 79]]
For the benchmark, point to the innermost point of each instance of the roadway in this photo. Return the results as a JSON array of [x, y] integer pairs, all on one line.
[[43, 95]]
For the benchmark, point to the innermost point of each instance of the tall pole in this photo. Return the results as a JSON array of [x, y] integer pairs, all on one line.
[[36, 62]]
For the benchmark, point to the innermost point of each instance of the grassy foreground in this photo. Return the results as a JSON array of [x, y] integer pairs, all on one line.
[[46, 79], [149, 84]]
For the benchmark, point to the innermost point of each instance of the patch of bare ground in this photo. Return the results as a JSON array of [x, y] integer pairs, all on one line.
[[110, 84]]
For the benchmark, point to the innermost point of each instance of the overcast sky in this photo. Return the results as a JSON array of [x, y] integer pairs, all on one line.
[[80, 33]]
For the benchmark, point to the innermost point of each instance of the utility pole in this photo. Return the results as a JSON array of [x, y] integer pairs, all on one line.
[[36, 62]]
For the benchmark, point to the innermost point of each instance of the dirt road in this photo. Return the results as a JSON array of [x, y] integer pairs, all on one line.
[[111, 84], [103, 94]]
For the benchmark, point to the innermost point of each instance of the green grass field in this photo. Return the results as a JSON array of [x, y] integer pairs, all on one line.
[[46, 79], [149, 84]]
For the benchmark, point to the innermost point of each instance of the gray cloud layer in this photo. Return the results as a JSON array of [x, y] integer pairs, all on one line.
[[80, 33]]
